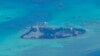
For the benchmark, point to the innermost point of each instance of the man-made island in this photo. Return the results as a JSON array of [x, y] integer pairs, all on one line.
[[48, 32]]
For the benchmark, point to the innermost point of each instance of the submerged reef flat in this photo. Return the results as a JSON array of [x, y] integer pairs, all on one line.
[[47, 32]]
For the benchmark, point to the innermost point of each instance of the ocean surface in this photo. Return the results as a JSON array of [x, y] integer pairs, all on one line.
[[16, 15]]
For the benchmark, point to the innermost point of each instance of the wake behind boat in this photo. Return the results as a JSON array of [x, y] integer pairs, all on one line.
[[47, 32]]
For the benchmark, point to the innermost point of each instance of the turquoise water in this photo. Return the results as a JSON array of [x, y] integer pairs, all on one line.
[[15, 15]]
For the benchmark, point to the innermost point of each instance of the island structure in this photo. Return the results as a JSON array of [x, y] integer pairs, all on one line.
[[44, 31]]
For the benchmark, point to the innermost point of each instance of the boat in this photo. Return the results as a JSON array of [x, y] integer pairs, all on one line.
[[49, 32]]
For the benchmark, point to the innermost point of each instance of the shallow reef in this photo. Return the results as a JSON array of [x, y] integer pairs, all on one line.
[[46, 32]]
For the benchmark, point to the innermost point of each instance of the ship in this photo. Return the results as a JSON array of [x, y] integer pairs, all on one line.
[[44, 31]]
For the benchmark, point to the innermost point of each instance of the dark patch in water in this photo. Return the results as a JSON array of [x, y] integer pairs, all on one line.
[[51, 33]]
